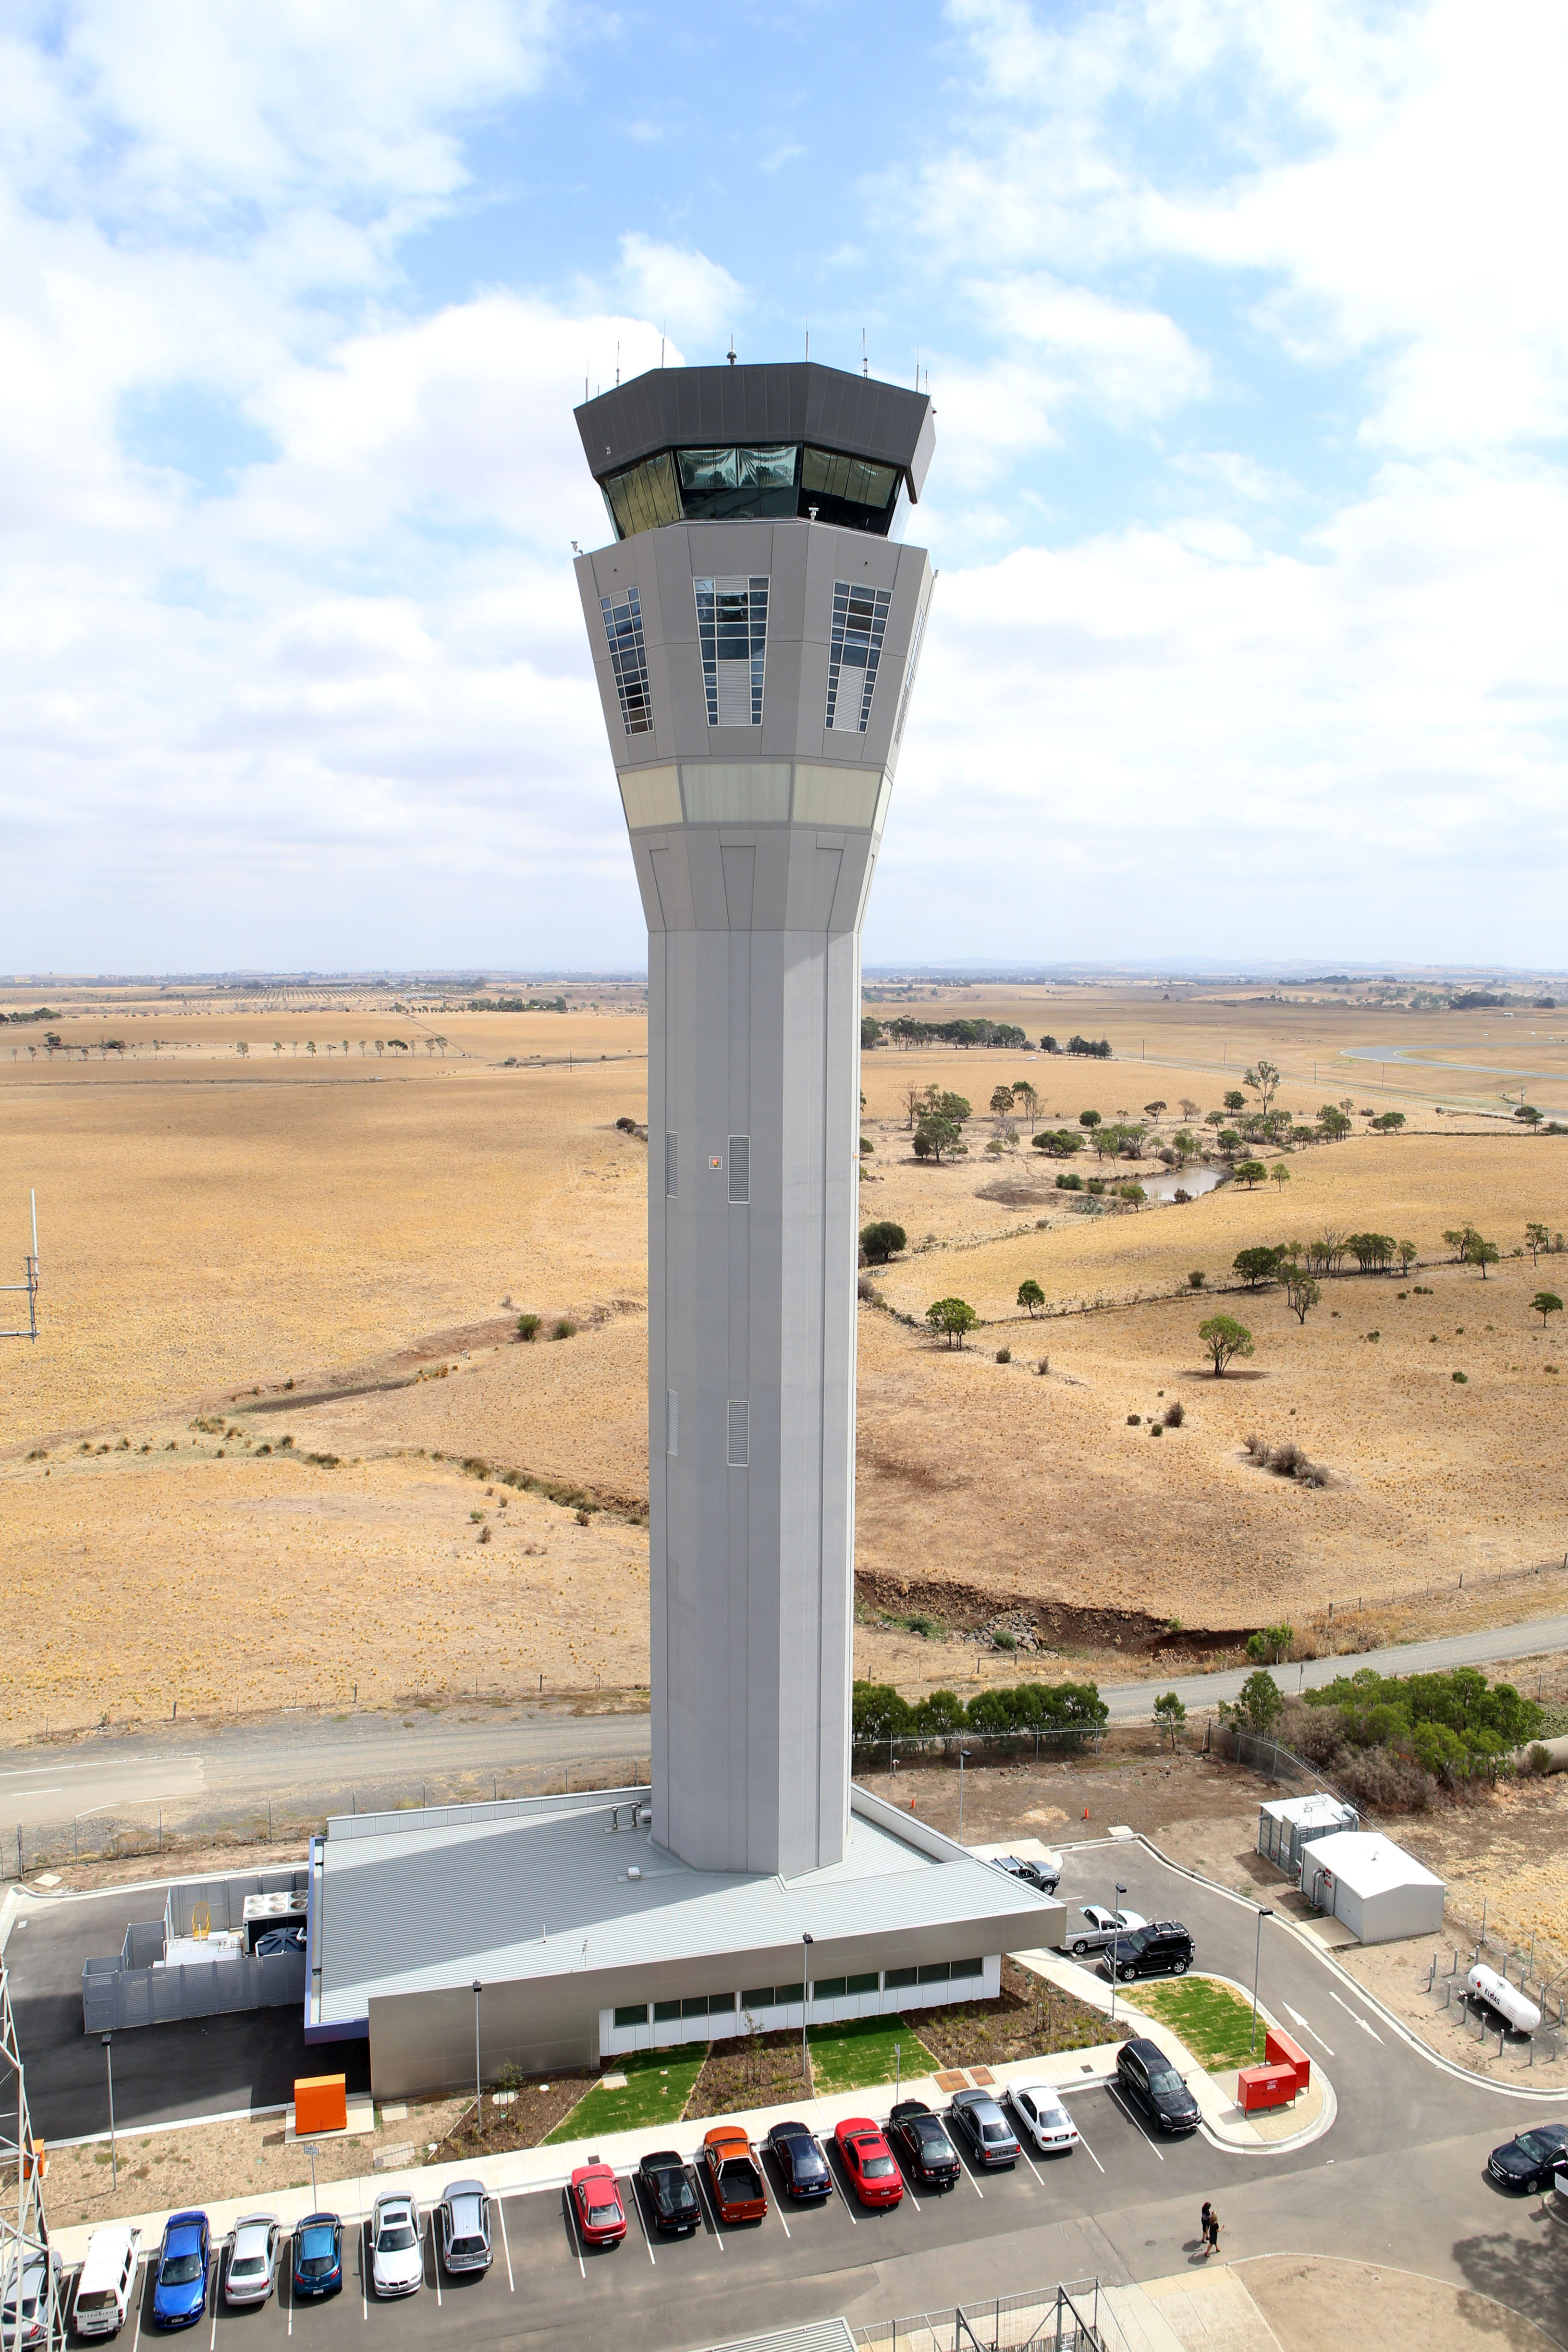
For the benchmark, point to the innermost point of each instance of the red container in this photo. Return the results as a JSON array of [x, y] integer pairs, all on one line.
[[1265, 2087], [320, 2104], [1281, 2051]]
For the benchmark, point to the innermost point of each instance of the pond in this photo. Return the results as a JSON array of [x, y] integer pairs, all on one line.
[[1195, 1180]]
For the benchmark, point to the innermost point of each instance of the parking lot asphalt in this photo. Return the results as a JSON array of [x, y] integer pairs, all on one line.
[[204, 2066], [1401, 2178]]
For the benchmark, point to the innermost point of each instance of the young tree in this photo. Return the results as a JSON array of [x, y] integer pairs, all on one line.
[[1264, 1080], [1257, 1264], [1188, 1108], [1545, 1303], [1153, 1109], [1089, 1119], [1279, 1175], [911, 1102], [1535, 1238], [1235, 1101], [1170, 1714], [1528, 1114], [1028, 1099], [1258, 1704], [1031, 1296], [1333, 1122], [1001, 1102], [1388, 1123], [951, 1319], [1250, 1172], [882, 1241], [1302, 1293], [1481, 1253], [1407, 1256], [1225, 1337], [1197, 1279]]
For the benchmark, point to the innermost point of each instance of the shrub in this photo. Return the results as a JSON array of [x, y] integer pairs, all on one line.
[[1003, 1355], [584, 1518], [1069, 1183], [1286, 1460], [528, 1326], [882, 1239], [1388, 1782], [866, 1290], [564, 1330], [1175, 1414], [1537, 1758], [1002, 1639], [1257, 1449], [1196, 1278], [1461, 1376]]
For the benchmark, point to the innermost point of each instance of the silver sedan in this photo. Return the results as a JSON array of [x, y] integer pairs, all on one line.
[[396, 2255], [251, 2271]]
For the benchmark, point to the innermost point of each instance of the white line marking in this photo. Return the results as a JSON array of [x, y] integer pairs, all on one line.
[[707, 2204], [364, 2264], [1030, 2162], [1088, 2150], [506, 2249], [571, 2217], [288, 2283], [436, 2262], [963, 2167], [1134, 2122], [1300, 2021], [778, 2201], [642, 2218], [146, 2276], [217, 2265], [1354, 2017]]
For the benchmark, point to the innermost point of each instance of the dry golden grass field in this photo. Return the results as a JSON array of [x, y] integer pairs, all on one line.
[[331, 1249]]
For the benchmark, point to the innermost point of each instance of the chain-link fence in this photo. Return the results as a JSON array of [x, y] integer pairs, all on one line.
[[1073, 2317], [203, 1822]]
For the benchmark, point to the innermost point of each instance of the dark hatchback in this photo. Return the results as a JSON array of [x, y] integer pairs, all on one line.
[[801, 2163], [1163, 1948], [918, 2137], [318, 2267], [671, 2194], [1147, 2077], [1530, 2161], [981, 2122]]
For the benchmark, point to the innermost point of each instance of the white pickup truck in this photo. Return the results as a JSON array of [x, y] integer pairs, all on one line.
[[1095, 1929]]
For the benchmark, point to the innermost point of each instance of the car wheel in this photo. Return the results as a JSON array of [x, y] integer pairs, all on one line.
[[1178, 1967], [1078, 1949], [1127, 1974]]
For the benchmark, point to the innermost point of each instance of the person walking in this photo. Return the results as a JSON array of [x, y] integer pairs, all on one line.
[[1214, 2231], [1204, 2227]]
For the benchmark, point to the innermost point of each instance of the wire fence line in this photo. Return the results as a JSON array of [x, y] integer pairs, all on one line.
[[1072, 2317], [203, 1821]]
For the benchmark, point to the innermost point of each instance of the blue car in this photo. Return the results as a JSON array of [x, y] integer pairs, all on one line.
[[319, 2255], [800, 2161], [180, 2295]]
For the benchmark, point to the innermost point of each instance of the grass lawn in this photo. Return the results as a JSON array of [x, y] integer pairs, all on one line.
[[849, 2057], [658, 2085], [1214, 2022]]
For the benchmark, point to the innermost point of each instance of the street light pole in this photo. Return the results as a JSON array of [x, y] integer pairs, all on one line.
[[962, 1760], [478, 2089], [1116, 1907], [805, 1944], [113, 2159], [1265, 1911]]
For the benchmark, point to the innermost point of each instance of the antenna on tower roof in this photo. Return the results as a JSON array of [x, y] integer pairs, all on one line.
[[808, 334], [865, 362], [617, 363], [729, 354]]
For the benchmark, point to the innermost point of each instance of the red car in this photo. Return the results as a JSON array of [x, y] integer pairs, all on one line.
[[596, 2205], [734, 2176], [868, 2160]]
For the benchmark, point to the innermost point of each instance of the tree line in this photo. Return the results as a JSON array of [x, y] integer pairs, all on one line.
[[880, 1713]]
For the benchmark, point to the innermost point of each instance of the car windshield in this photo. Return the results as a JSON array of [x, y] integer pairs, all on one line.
[[179, 2270], [1167, 2082], [1138, 1940], [1539, 2145], [397, 2238]]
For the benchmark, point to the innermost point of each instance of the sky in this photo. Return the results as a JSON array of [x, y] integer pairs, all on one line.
[[1246, 328]]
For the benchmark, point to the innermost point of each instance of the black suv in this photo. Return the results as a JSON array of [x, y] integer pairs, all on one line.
[[1148, 2078], [1161, 1949]]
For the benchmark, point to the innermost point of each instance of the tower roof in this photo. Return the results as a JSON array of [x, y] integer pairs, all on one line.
[[797, 401]]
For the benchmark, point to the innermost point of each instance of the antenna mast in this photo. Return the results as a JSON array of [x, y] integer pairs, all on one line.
[[31, 1284]]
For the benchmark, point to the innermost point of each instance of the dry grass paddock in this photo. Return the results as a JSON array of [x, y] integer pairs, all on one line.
[[335, 1249]]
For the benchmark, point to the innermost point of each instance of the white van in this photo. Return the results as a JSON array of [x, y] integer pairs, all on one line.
[[108, 2277]]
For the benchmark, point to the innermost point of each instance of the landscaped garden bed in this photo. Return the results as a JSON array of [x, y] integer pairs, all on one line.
[[1030, 2018]]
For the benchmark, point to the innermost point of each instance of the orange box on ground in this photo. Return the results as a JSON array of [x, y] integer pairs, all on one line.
[[320, 2104], [1265, 2087], [1282, 2051]]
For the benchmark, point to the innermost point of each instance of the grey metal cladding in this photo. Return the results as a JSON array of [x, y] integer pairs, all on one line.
[[671, 408]]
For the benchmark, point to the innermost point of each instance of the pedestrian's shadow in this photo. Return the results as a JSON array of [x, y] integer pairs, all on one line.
[[1196, 2249]]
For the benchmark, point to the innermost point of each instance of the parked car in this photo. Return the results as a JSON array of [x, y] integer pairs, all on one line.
[[1530, 2160], [1162, 1949], [180, 2292], [800, 2162], [107, 2280], [396, 2250], [34, 2323], [983, 2127], [596, 2205], [463, 2228], [668, 2185], [1044, 1877], [252, 2272], [734, 2176], [869, 2161], [920, 2139], [1148, 2078], [1042, 2117], [317, 2266], [1095, 1929]]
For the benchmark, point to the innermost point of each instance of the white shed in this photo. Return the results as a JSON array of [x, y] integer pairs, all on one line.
[[1373, 1885], [1289, 1823]]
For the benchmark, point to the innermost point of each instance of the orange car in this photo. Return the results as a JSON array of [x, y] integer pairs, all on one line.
[[734, 2176]]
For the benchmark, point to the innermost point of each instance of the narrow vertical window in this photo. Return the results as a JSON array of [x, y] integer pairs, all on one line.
[[628, 659], [732, 635], [670, 1165], [859, 619], [671, 1422], [913, 663], [740, 1171], [738, 1435]]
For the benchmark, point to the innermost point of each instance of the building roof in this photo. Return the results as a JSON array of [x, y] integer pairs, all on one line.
[[541, 1887], [1301, 1810], [685, 408], [1366, 1863]]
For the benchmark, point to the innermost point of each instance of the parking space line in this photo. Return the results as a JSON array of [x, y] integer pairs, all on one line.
[[506, 2248], [288, 2281], [707, 2205], [1134, 2122], [571, 2217], [364, 2264], [1030, 2162], [642, 2217], [1085, 2145], [435, 2262], [145, 2272], [216, 2274]]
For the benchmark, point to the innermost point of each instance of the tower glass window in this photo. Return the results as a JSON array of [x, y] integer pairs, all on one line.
[[733, 633], [643, 498], [628, 659], [738, 483], [859, 621]]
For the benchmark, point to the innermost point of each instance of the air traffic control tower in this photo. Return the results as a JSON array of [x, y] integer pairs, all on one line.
[[756, 626]]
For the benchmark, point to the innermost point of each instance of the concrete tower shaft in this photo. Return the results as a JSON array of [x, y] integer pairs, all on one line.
[[755, 678]]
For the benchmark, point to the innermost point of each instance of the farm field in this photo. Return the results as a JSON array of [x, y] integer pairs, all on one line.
[[333, 1251]]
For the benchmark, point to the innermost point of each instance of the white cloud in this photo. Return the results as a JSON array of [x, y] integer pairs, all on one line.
[[679, 287]]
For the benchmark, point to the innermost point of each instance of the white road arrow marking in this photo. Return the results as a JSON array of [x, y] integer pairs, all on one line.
[[1301, 2022], [1354, 2020]]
